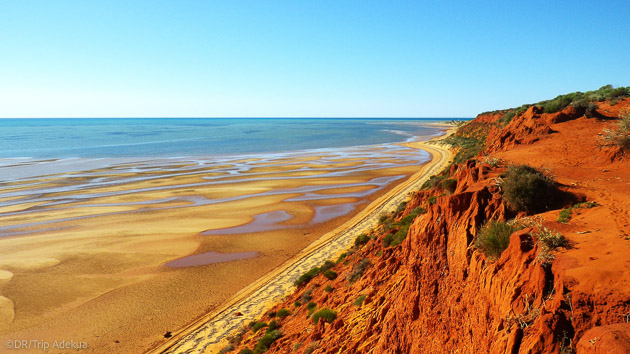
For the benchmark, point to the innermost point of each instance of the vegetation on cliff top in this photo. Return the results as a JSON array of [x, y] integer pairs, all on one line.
[[620, 134], [469, 140], [524, 189], [586, 101], [527, 189]]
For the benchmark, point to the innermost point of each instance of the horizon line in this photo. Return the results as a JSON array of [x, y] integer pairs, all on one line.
[[245, 117]]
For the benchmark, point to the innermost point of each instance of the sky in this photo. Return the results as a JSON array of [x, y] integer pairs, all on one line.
[[303, 58]]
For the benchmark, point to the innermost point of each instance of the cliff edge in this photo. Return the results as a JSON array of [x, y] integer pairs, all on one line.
[[424, 281]]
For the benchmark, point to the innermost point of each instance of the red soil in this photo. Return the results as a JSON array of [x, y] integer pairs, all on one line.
[[437, 293]]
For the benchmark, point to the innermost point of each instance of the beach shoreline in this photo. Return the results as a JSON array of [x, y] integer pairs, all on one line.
[[106, 257], [209, 332]]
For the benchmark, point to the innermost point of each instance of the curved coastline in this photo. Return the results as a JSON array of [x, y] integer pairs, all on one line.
[[209, 332], [121, 237]]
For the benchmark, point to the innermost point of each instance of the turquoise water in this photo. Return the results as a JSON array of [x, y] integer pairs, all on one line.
[[174, 137]]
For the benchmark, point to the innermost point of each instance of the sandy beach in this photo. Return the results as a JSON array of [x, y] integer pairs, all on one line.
[[119, 255], [210, 332]]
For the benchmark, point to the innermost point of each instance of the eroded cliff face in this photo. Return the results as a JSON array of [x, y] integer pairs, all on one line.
[[436, 292]]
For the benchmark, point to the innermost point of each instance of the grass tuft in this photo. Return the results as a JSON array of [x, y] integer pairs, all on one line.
[[494, 237], [330, 274], [359, 300], [282, 313], [327, 314], [258, 326], [361, 240], [264, 342], [620, 134]]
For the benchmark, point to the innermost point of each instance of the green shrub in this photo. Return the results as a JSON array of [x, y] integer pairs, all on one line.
[[507, 117], [583, 99], [297, 346], [449, 185], [359, 300], [307, 277], [591, 110], [328, 288], [327, 265], [527, 189], [620, 92], [273, 325], [558, 103], [432, 199], [258, 326], [264, 342], [620, 134], [361, 240], [387, 240], [419, 211], [400, 208], [297, 303], [311, 306], [282, 313], [565, 215], [407, 220], [246, 351], [586, 205], [327, 314], [397, 238], [358, 269], [494, 237], [470, 144], [330, 274], [433, 181]]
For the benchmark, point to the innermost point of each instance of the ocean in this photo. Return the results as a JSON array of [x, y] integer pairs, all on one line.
[[180, 137], [119, 219], [49, 167]]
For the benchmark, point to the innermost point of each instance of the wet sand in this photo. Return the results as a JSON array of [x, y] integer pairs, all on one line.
[[84, 255], [209, 333]]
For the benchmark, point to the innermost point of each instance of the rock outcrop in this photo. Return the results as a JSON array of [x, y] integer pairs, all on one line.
[[436, 292]]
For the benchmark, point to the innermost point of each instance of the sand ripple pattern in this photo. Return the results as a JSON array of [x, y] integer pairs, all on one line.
[[252, 302]]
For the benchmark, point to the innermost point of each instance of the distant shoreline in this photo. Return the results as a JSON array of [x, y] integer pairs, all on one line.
[[142, 138]]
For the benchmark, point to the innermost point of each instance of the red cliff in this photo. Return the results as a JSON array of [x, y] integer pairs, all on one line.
[[437, 292]]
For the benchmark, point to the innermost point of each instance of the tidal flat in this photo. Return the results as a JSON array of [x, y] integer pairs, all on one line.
[[86, 244]]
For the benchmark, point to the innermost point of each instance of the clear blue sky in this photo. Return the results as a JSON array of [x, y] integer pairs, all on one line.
[[303, 58]]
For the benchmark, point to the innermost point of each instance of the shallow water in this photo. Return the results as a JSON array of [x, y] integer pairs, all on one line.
[[179, 137], [71, 172]]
